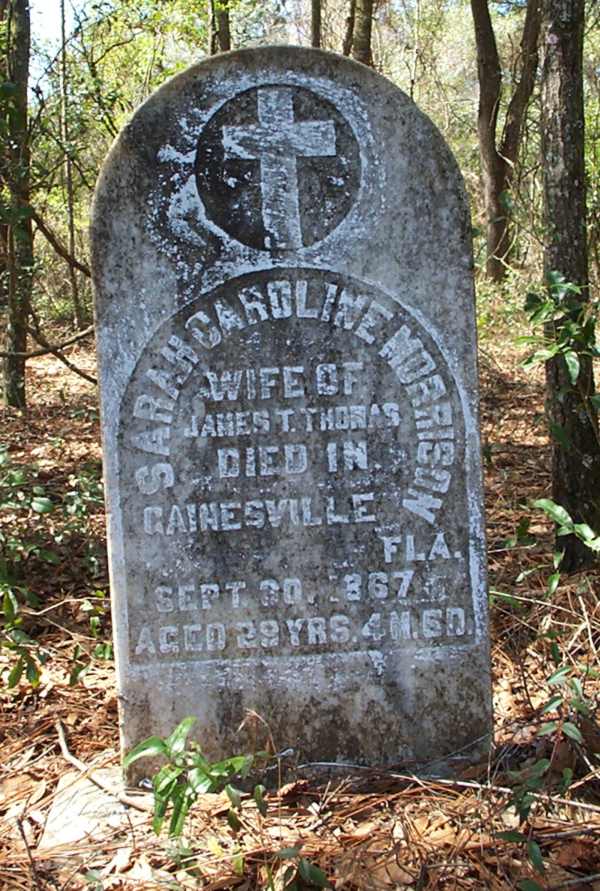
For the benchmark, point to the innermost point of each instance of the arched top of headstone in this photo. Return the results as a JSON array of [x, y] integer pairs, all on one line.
[[267, 156]]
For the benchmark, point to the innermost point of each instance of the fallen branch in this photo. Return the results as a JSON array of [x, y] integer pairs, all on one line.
[[457, 784], [88, 772]]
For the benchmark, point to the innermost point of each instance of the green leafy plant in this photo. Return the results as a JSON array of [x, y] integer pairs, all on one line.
[[568, 324], [20, 495], [299, 873], [566, 525], [39, 527], [566, 703], [188, 773]]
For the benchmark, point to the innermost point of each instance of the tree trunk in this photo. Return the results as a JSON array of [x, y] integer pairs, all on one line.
[[315, 24], [498, 162], [16, 177], [361, 35], [576, 459], [219, 27], [347, 45], [80, 320]]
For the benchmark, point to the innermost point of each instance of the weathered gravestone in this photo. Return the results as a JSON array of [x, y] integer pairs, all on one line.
[[285, 319]]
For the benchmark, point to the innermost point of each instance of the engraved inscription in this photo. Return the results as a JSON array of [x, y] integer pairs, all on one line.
[[293, 498]]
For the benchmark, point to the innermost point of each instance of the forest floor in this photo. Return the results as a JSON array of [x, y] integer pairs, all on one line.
[[373, 830]]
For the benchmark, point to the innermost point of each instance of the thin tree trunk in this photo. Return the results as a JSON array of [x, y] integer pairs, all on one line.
[[416, 50], [347, 45], [219, 27], [497, 163], [361, 35], [315, 23], [16, 176], [575, 461], [80, 321]]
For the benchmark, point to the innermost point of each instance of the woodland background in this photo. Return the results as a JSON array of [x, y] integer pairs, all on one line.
[[514, 87]]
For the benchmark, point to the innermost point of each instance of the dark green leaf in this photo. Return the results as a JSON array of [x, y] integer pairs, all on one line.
[[559, 676], [166, 779], [10, 606], [15, 673], [233, 820], [182, 800], [258, 796], [553, 704], [32, 673], [567, 778], [8, 89], [575, 685], [238, 764], [511, 836], [573, 365], [553, 581], [535, 855], [200, 781], [176, 741], [152, 746], [234, 795], [560, 435], [160, 810], [539, 768], [41, 505], [312, 874], [545, 729], [104, 651], [573, 732], [287, 853], [554, 511], [77, 672]]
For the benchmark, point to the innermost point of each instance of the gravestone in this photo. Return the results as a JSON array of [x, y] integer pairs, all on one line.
[[285, 323]]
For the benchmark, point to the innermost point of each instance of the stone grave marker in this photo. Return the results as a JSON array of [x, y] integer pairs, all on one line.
[[285, 323]]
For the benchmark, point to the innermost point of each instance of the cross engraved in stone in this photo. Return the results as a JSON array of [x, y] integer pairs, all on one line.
[[277, 141]]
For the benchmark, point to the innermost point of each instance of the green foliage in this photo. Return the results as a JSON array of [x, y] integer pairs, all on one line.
[[20, 494], [566, 704], [188, 774], [41, 527], [566, 526], [567, 322]]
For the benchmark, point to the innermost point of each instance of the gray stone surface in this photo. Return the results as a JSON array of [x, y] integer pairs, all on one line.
[[285, 318]]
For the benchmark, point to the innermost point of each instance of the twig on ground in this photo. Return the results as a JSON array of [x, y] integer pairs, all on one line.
[[32, 870], [106, 787], [460, 784], [572, 883]]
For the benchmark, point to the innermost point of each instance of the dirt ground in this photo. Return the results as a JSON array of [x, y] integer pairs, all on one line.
[[372, 830]]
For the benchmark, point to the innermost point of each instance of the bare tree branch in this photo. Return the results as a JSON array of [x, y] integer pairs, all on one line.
[[60, 249], [54, 348]]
